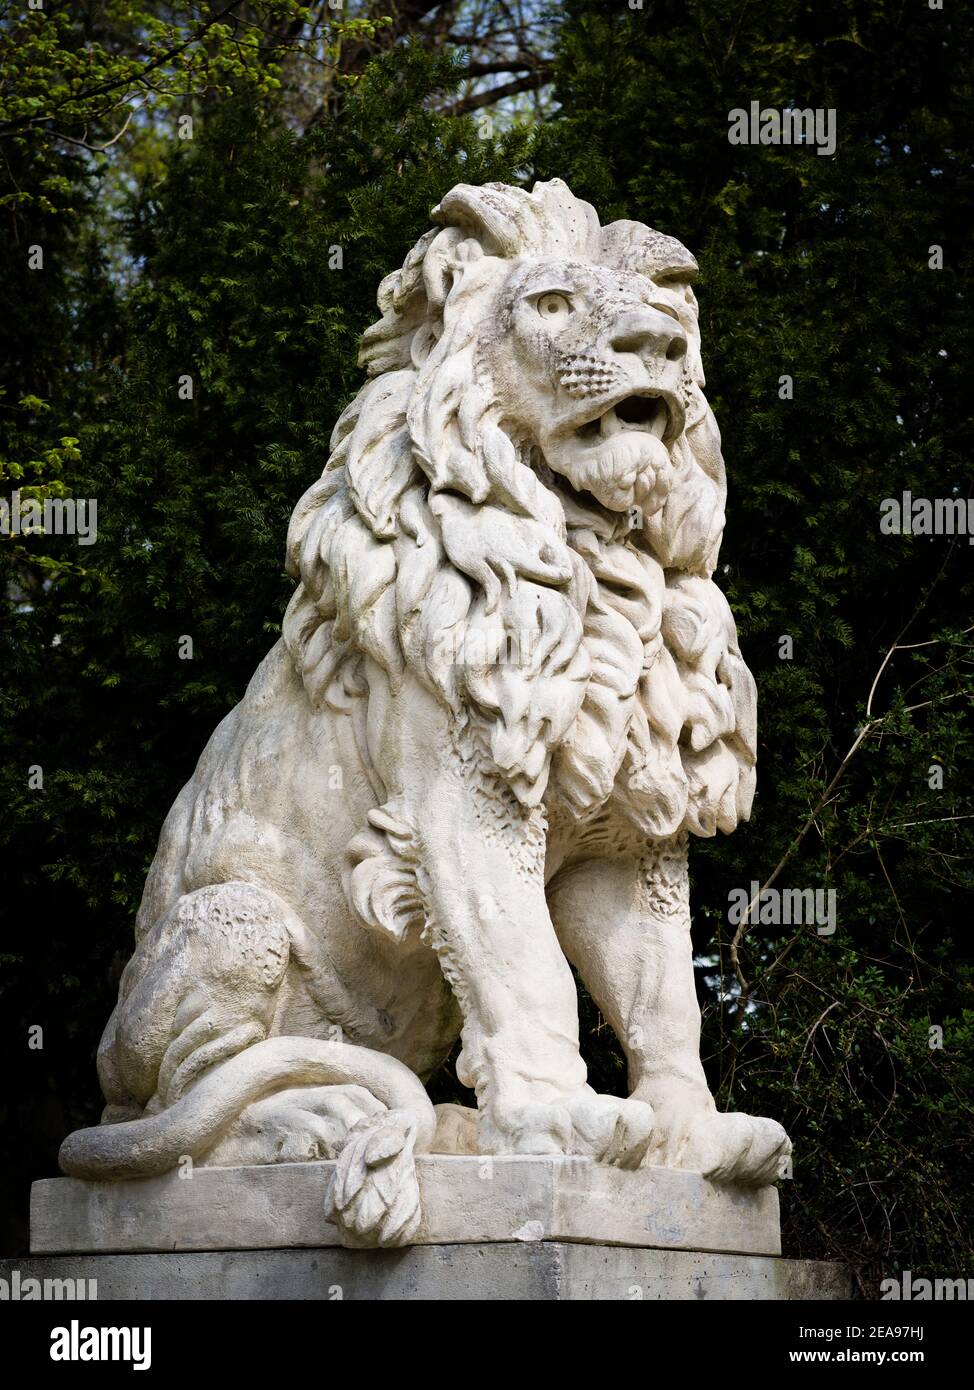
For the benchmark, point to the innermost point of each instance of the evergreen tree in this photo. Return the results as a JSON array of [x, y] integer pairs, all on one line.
[[251, 261], [838, 351], [184, 354]]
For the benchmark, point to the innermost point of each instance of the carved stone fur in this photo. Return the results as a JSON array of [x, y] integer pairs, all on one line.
[[508, 690]]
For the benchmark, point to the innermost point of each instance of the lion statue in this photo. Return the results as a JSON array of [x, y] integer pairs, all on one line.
[[507, 692]]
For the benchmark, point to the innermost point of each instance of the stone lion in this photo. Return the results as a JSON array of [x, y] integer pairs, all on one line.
[[507, 691]]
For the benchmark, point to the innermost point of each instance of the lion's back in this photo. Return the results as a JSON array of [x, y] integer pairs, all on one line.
[[267, 801]]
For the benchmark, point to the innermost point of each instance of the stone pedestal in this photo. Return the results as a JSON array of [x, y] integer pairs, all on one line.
[[464, 1201], [493, 1228], [545, 1271]]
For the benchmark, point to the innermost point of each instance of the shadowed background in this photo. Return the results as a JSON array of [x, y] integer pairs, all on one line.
[[215, 257]]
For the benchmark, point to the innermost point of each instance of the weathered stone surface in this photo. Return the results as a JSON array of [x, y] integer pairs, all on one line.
[[545, 1271], [507, 692], [463, 1200]]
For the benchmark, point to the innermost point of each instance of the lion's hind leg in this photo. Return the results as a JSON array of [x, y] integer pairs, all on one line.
[[201, 988], [194, 1069]]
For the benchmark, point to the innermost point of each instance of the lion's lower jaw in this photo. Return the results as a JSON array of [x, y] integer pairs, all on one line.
[[630, 469]]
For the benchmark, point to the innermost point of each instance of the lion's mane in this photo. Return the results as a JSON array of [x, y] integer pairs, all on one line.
[[430, 525]]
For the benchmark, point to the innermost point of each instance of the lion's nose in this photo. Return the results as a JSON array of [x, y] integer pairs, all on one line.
[[647, 331]]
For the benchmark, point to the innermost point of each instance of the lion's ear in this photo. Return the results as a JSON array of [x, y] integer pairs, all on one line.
[[496, 215], [510, 221], [635, 247]]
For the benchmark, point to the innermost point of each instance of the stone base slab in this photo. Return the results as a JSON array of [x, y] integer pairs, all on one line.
[[546, 1271], [465, 1201]]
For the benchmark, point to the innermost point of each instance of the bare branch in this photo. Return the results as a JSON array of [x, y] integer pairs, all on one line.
[[867, 728], [529, 83]]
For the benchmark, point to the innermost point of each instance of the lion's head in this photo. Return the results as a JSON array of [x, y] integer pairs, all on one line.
[[524, 506]]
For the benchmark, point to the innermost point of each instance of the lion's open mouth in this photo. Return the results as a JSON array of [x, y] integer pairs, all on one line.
[[648, 414]]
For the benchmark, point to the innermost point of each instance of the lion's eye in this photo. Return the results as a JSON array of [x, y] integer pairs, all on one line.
[[555, 308]]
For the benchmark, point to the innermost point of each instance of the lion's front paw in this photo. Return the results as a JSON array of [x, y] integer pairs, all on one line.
[[733, 1147], [607, 1128]]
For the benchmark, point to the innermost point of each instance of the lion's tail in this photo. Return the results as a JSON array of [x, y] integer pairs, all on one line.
[[154, 1144]]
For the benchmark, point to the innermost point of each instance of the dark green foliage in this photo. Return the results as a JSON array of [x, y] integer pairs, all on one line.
[[817, 268], [811, 267], [234, 289]]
